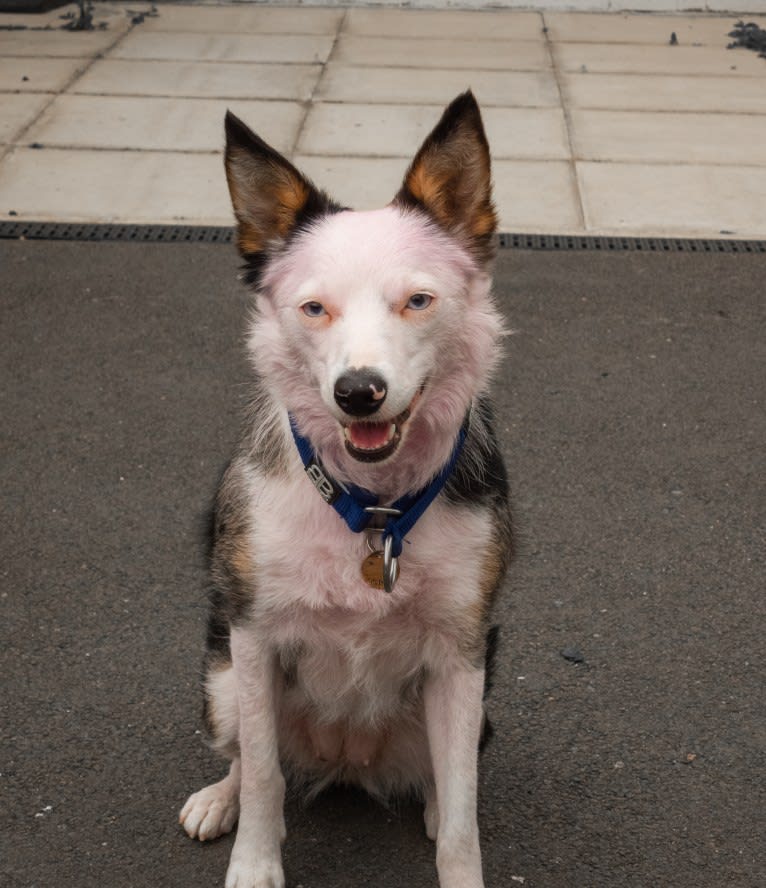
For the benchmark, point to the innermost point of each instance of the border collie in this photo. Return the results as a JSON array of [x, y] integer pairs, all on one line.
[[362, 531]]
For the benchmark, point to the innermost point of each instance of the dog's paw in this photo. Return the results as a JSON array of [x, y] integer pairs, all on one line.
[[211, 812], [247, 874]]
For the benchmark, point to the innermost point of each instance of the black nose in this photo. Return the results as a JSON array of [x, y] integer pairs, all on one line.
[[360, 392]]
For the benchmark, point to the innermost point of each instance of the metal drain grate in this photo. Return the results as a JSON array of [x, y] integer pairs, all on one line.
[[75, 231], [223, 234], [632, 244]]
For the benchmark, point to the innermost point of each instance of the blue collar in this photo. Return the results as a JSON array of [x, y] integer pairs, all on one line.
[[350, 501]]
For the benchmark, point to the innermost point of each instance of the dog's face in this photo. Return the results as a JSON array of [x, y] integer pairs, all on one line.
[[367, 304], [374, 329]]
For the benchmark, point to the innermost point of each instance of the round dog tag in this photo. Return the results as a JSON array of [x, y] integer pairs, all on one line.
[[374, 571]]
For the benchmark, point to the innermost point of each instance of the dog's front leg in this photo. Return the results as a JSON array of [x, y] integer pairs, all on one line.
[[256, 857], [453, 709]]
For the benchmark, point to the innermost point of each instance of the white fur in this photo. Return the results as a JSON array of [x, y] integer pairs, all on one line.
[[359, 648], [453, 718], [256, 857]]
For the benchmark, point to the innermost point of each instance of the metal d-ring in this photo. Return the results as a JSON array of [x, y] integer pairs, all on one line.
[[383, 510], [390, 565]]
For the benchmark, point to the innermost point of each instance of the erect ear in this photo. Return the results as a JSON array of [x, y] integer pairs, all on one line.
[[450, 178], [270, 197]]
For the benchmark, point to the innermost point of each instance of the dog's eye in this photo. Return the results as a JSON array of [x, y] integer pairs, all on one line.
[[313, 309], [419, 301]]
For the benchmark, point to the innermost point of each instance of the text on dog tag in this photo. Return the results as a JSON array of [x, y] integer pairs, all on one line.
[[372, 570]]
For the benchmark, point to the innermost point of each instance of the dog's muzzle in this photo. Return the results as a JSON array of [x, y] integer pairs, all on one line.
[[360, 393]]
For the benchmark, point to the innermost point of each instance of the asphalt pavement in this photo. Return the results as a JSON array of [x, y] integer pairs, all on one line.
[[631, 413]]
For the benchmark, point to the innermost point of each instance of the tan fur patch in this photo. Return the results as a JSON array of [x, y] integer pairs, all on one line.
[[475, 618], [233, 557], [266, 200], [218, 664], [290, 196], [235, 553], [455, 188], [241, 557], [493, 568], [485, 221]]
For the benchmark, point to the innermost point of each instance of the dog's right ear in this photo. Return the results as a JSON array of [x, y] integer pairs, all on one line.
[[270, 197]]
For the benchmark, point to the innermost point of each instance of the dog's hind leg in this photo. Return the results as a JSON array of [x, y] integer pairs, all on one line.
[[213, 811]]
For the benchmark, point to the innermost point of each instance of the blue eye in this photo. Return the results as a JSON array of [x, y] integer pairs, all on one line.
[[313, 309], [420, 301]]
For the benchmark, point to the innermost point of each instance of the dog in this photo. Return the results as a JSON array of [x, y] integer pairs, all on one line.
[[362, 531]]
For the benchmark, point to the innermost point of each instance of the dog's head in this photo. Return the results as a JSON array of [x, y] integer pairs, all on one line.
[[375, 330]]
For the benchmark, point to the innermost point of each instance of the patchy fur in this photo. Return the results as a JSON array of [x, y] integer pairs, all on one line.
[[310, 671]]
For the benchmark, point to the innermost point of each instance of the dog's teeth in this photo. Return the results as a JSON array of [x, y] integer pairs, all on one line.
[[353, 435]]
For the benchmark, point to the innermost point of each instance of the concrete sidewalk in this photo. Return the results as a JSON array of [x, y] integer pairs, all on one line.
[[597, 123]]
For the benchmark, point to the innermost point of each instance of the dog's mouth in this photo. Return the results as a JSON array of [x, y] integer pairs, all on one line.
[[375, 441]]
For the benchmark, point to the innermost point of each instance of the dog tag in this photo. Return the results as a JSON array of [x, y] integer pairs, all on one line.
[[374, 571]]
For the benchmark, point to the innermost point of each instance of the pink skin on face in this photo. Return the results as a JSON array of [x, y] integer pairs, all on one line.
[[363, 268]]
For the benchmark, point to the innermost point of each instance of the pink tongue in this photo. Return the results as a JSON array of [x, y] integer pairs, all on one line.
[[369, 435]]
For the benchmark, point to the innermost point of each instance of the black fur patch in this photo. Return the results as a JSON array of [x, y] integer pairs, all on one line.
[[316, 207], [480, 474], [230, 596], [252, 270], [319, 204], [487, 733], [490, 665], [218, 627], [490, 659]]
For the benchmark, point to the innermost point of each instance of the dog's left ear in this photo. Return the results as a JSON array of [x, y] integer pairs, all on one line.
[[271, 198], [450, 178]]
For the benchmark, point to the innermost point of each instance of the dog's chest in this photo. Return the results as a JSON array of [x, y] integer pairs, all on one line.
[[305, 555], [345, 665], [342, 641]]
